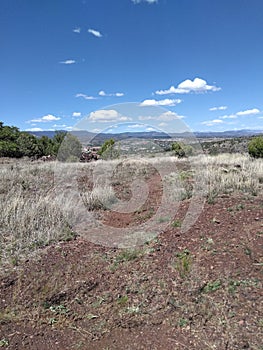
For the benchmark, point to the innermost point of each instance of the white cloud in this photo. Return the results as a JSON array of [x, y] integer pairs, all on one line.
[[148, 1], [162, 124], [197, 85], [221, 108], [107, 116], [136, 126], [245, 113], [86, 97], [34, 129], [96, 130], [68, 62], [76, 114], [248, 112], [166, 116], [102, 93], [117, 94], [59, 126], [95, 33], [150, 129], [165, 102], [77, 30], [45, 119], [212, 122], [230, 116]]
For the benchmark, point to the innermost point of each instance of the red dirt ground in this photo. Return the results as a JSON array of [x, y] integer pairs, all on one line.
[[196, 290]]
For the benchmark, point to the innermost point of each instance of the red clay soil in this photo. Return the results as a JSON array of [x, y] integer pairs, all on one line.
[[201, 289]]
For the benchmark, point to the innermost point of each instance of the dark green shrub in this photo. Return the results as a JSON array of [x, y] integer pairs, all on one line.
[[255, 147], [181, 150]]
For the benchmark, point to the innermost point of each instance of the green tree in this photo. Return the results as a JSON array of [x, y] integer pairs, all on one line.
[[46, 146], [70, 149], [8, 141], [28, 145], [181, 150], [255, 147], [106, 150], [57, 140]]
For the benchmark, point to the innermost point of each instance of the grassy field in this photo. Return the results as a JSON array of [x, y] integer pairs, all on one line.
[[198, 290]]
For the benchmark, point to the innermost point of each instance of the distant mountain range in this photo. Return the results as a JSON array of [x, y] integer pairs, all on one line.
[[97, 139]]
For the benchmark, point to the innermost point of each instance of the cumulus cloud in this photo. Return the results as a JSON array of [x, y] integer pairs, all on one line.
[[86, 97], [248, 112], [95, 33], [68, 62], [77, 30], [166, 116], [107, 116], [117, 94], [76, 114], [165, 102], [45, 119], [212, 122], [197, 86], [148, 1], [220, 108]]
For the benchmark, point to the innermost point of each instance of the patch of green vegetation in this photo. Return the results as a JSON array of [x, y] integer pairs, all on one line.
[[212, 286], [125, 256], [59, 309], [255, 147], [234, 284], [176, 223], [211, 197], [4, 342], [99, 301], [187, 193], [208, 244], [182, 150], [52, 321], [183, 263], [238, 207], [185, 175], [122, 300], [247, 251], [182, 322]]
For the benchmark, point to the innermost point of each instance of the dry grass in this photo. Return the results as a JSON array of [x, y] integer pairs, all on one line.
[[30, 218], [230, 173], [31, 214]]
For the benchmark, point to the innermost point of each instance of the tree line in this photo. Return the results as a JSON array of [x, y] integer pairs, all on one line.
[[16, 144]]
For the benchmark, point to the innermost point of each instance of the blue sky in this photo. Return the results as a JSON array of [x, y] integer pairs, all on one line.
[[62, 61]]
